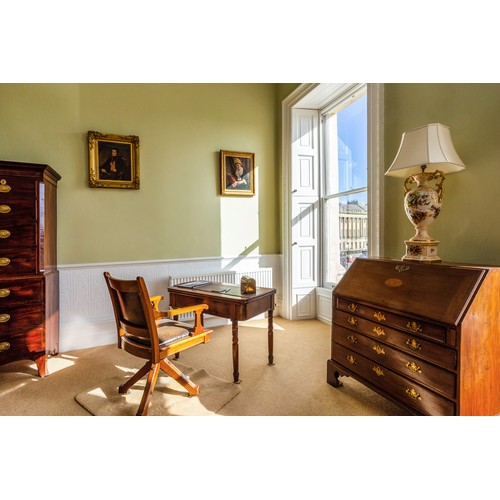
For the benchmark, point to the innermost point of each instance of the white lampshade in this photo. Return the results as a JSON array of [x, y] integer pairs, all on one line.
[[430, 145]]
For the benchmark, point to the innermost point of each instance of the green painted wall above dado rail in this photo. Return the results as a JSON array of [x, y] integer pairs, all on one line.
[[177, 212], [469, 222]]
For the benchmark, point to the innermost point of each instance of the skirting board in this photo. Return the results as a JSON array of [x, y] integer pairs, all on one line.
[[86, 315]]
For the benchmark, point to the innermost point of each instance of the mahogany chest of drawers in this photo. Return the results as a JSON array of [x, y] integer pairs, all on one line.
[[29, 279], [425, 336]]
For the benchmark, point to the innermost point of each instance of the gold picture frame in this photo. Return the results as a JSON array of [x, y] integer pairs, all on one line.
[[237, 173], [113, 160]]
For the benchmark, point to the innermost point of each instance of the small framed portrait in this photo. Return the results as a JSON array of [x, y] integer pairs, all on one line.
[[113, 161], [237, 173]]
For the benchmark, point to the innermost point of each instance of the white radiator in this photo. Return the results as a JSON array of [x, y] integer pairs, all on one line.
[[263, 277]]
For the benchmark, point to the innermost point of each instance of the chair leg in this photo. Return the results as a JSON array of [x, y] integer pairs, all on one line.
[[148, 390], [182, 379], [124, 388]]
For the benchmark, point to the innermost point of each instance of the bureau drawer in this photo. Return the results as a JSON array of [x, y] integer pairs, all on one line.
[[20, 318], [413, 368], [13, 187], [17, 210], [21, 292], [405, 323], [17, 235], [422, 348], [405, 390], [21, 345], [17, 261]]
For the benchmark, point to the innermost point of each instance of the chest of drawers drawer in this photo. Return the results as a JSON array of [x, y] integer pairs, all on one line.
[[413, 368], [406, 390], [17, 210], [13, 187], [17, 261], [21, 345], [20, 292], [17, 235], [404, 340], [16, 318], [402, 322]]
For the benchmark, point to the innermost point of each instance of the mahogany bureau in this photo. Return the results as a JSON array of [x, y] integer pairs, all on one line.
[[425, 336], [29, 279]]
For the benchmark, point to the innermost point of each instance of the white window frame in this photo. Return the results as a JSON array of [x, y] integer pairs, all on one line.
[[318, 95]]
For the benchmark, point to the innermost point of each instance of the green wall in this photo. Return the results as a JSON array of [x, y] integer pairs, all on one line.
[[178, 212], [468, 226]]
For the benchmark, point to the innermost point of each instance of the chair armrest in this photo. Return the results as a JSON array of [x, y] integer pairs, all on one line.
[[197, 309], [155, 301]]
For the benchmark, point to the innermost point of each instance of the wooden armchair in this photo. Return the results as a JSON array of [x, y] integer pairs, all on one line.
[[142, 333]]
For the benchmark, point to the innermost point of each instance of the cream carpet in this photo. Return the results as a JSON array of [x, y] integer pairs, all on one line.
[[169, 398]]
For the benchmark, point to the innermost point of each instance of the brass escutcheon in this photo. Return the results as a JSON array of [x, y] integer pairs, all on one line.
[[4, 209], [4, 318], [352, 307], [414, 326], [413, 367], [352, 339], [4, 187], [378, 371], [352, 321], [378, 349], [4, 292], [380, 316], [378, 330], [351, 359], [4, 233], [4, 346], [4, 261], [413, 393], [414, 344]]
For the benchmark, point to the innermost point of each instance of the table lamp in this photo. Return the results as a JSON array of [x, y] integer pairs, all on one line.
[[423, 147]]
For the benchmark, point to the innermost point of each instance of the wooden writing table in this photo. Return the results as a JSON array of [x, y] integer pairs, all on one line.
[[226, 301]]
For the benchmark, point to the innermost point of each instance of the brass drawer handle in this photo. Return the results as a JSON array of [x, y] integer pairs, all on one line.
[[4, 346], [352, 307], [379, 331], [413, 394], [4, 318], [413, 367], [414, 344], [4, 209], [4, 233], [4, 292], [351, 359], [379, 316], [4, 261], [378, 371], [352, 321], [4, 187], [414, 327], [352, 339], [378, 349]]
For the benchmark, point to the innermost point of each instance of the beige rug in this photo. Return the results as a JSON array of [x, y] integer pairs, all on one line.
[[169, 398]]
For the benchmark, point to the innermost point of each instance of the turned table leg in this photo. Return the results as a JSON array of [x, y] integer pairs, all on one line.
[[236, 375], [270, 337]]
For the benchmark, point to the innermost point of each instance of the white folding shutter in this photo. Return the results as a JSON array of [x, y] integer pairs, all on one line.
[[304, 213]]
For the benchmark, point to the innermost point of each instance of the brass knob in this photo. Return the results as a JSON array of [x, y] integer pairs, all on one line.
[[352, 339], [352, 307], [351, 359], [352, 321], [378, 349], [4, 261], [4, 209], [4, 346], [413, 367], [379, 316], [4, 318], [414, 327], [378, 371], [4, 292], [4, 233], [378, 330]]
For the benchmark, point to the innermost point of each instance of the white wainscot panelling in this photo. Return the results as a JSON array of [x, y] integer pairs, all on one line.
[[86, 315], [324, 304]]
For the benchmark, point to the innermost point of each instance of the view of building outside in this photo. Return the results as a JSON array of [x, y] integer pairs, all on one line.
[[345, 207]]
